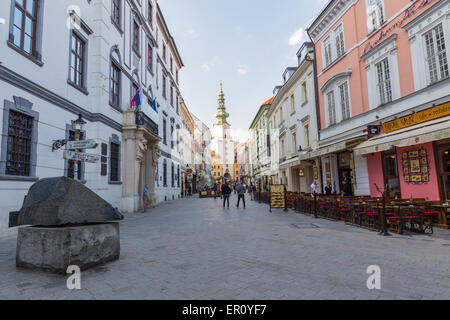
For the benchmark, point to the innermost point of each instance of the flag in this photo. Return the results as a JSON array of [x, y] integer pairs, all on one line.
[[136, 102], [153, 105]]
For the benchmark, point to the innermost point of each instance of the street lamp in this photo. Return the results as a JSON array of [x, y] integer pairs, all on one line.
[[78, 127]]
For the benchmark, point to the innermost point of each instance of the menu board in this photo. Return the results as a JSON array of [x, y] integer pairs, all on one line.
[[416, 167], [277, 196]]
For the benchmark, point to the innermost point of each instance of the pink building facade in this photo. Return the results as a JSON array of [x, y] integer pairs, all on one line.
[[383, 96]]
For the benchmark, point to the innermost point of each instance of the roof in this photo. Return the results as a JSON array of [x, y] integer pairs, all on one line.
[[268, 101]]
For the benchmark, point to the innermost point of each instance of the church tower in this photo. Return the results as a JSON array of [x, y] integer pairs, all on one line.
[[222, 144], [221, 115]]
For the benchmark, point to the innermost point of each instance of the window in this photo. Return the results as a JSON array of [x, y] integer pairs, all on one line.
[[164, 90], [304, 93], [307, 139], [391, 176], [178, 176], [339, 36], [171, 136], [384, 81], [171, 95], [281, 115], [327, 51], [292, 104], [150, 57], [178, 105], [115, 85], [171, 65], [375, 15], [165, 131], [164, 51], [136, 37], [331, 108], [173, 175], [116, 12], [165, 173], [114, 162], [282, 148], [18, 159], [436, 55], [24, 25], [294, 142], [77, 61], [345, 101], [176, 76], [150, 13]]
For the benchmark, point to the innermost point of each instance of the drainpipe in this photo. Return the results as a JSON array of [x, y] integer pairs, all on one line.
[[316, 91]]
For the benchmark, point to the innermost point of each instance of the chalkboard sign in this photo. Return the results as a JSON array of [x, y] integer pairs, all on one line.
[[278, 197]]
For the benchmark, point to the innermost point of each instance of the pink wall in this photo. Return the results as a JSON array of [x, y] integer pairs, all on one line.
[[375, 169], [355, 31], [424, 190]]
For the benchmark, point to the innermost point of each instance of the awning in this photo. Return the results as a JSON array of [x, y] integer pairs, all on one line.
[[323, 151], [290, 163], [421, 133]]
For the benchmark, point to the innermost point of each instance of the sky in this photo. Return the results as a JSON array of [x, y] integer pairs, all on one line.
[[247, 44]]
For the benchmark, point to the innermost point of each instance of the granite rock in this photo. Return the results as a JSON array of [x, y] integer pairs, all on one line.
[[63, 201], [54, 249]]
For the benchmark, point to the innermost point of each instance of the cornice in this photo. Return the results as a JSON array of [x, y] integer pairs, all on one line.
[[329, 15]]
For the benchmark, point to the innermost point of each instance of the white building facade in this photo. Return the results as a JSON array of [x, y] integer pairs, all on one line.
[[114, 47]]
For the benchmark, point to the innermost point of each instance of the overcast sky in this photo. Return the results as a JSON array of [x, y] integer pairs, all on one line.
[[245, 43]]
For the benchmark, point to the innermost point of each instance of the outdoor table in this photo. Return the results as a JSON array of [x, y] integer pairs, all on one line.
[[442, 216]]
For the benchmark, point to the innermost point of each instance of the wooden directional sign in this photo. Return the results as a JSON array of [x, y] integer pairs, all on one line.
[[80, 156], [82, 144]]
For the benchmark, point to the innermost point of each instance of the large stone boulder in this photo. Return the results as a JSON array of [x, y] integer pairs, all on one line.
[[55, 249], [63, 201]]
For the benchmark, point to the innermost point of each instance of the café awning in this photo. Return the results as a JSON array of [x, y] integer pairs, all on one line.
[[324, 151], [421, 133]]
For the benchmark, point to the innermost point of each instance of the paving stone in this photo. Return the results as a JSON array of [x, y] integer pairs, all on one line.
[[192, 249]]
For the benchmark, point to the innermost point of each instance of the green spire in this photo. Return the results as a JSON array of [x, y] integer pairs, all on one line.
[[221, 115]]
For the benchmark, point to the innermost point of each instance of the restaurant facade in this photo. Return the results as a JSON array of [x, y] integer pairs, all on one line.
[[383, 96]]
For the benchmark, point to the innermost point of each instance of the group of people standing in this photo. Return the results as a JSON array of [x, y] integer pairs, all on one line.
[[227, 189]]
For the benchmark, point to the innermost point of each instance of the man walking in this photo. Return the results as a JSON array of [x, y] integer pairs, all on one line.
[[226, 191], [215, 190], [145, 198], [241, 194]]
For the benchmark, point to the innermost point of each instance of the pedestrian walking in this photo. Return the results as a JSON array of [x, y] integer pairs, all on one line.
[[226, 191], [250, 191], [328, 189], [313, 188], [145, 198], [241, 194], [215, 191]]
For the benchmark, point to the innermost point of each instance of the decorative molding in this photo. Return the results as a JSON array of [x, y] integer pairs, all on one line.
[[38, 91]]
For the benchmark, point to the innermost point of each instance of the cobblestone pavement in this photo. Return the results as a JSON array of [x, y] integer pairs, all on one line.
[[194, 249]]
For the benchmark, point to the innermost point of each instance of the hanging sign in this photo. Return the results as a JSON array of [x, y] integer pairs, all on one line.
[[82, 144], [278, 197], [80, 156]]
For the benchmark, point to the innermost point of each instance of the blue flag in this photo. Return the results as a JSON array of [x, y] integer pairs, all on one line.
[[153, 105]]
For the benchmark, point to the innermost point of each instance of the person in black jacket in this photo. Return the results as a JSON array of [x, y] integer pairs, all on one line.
[[226, 191]]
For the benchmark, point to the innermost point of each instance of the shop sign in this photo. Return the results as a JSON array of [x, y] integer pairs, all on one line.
[[277, 197], [420, 117]]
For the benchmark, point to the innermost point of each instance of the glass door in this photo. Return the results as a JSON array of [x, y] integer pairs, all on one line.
[[443, 158], [391, 177]]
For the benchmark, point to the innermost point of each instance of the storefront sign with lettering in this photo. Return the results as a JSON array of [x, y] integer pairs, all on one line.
[[420, 117]]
